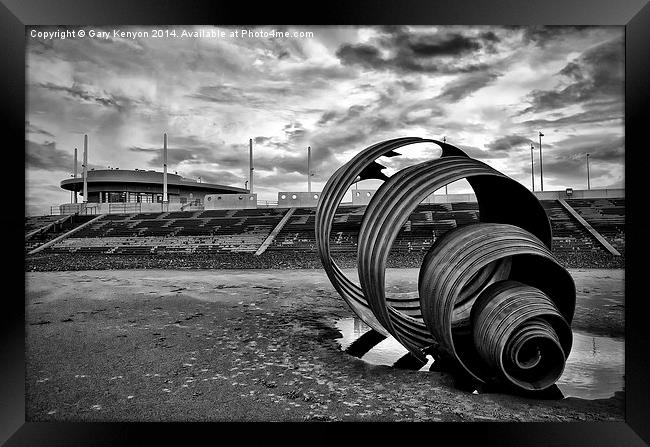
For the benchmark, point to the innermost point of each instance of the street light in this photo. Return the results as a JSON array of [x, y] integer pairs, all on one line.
[[246, 184], [532, 167], [541, 165], [588, 182]]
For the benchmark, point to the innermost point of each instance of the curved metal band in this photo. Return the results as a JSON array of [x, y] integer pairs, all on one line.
[[460, 253], [465, 266], [520, 334], [363, 166], [391, 207]]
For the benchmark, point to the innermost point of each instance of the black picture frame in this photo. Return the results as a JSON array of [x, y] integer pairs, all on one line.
[[633, 14]]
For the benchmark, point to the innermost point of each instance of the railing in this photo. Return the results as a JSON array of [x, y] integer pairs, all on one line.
[[267, 203], [75, 208], [125, 207], [194, 205]]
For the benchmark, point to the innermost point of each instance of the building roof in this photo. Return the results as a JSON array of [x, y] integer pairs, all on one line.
[[105, 177]]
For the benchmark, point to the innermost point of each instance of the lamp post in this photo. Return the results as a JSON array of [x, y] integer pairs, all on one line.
[[541, 165], [532, 167], [246, 184], [588, 182]]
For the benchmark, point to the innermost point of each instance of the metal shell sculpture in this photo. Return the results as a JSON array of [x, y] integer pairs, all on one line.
[[492, 297]]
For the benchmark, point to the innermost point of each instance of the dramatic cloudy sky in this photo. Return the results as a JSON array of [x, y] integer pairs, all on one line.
[[489, 90]]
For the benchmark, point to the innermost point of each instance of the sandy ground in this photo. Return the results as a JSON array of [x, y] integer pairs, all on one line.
[[247, 345]]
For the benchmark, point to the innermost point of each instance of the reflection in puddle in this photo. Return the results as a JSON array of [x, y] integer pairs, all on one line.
[[594, 369]]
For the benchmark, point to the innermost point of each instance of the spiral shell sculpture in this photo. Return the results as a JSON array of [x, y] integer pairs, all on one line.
[[492, 297]]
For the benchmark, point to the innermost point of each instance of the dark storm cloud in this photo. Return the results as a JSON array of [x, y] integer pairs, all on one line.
[[466, 85], [47, 156], [77, 92], [327, 117], [434, 45], [541, 35], [503, 146], [190, 149], [409, 52], [566, 162], [336, 117], [597, 75], [600, 147], [482, 154]]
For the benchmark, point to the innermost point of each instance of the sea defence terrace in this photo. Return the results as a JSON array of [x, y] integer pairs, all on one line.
[[291, 229]]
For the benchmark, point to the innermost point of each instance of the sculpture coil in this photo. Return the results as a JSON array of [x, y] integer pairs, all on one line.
[[492, 297]]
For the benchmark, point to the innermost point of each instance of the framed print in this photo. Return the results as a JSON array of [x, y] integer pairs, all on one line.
[[364, 214]]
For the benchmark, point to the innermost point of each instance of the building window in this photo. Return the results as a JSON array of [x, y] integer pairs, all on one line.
[[115, 197]]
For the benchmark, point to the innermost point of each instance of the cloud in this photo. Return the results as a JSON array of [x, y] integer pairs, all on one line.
[[46, 156], [216, 177], [341, 91], [400, 50], [542, 35], [77, 92], [465, 85], [33, 129], [603, 147], [453, 44], [503, 146], [196, 151], [231, 95], [597, 75]]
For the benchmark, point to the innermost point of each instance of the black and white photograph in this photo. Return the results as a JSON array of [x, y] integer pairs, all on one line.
[[404, 223]]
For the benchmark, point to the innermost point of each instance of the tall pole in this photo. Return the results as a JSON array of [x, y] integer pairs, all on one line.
[[532, 167], [165, 168], [541, 165], [75, 173], [588, 182], [308, 168], [250, 142], [85, 169], [444, 140]]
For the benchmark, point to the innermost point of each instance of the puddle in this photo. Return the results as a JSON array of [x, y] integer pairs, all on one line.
[[594, 369]]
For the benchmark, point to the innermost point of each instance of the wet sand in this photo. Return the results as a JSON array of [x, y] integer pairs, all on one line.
[[244, 345]]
